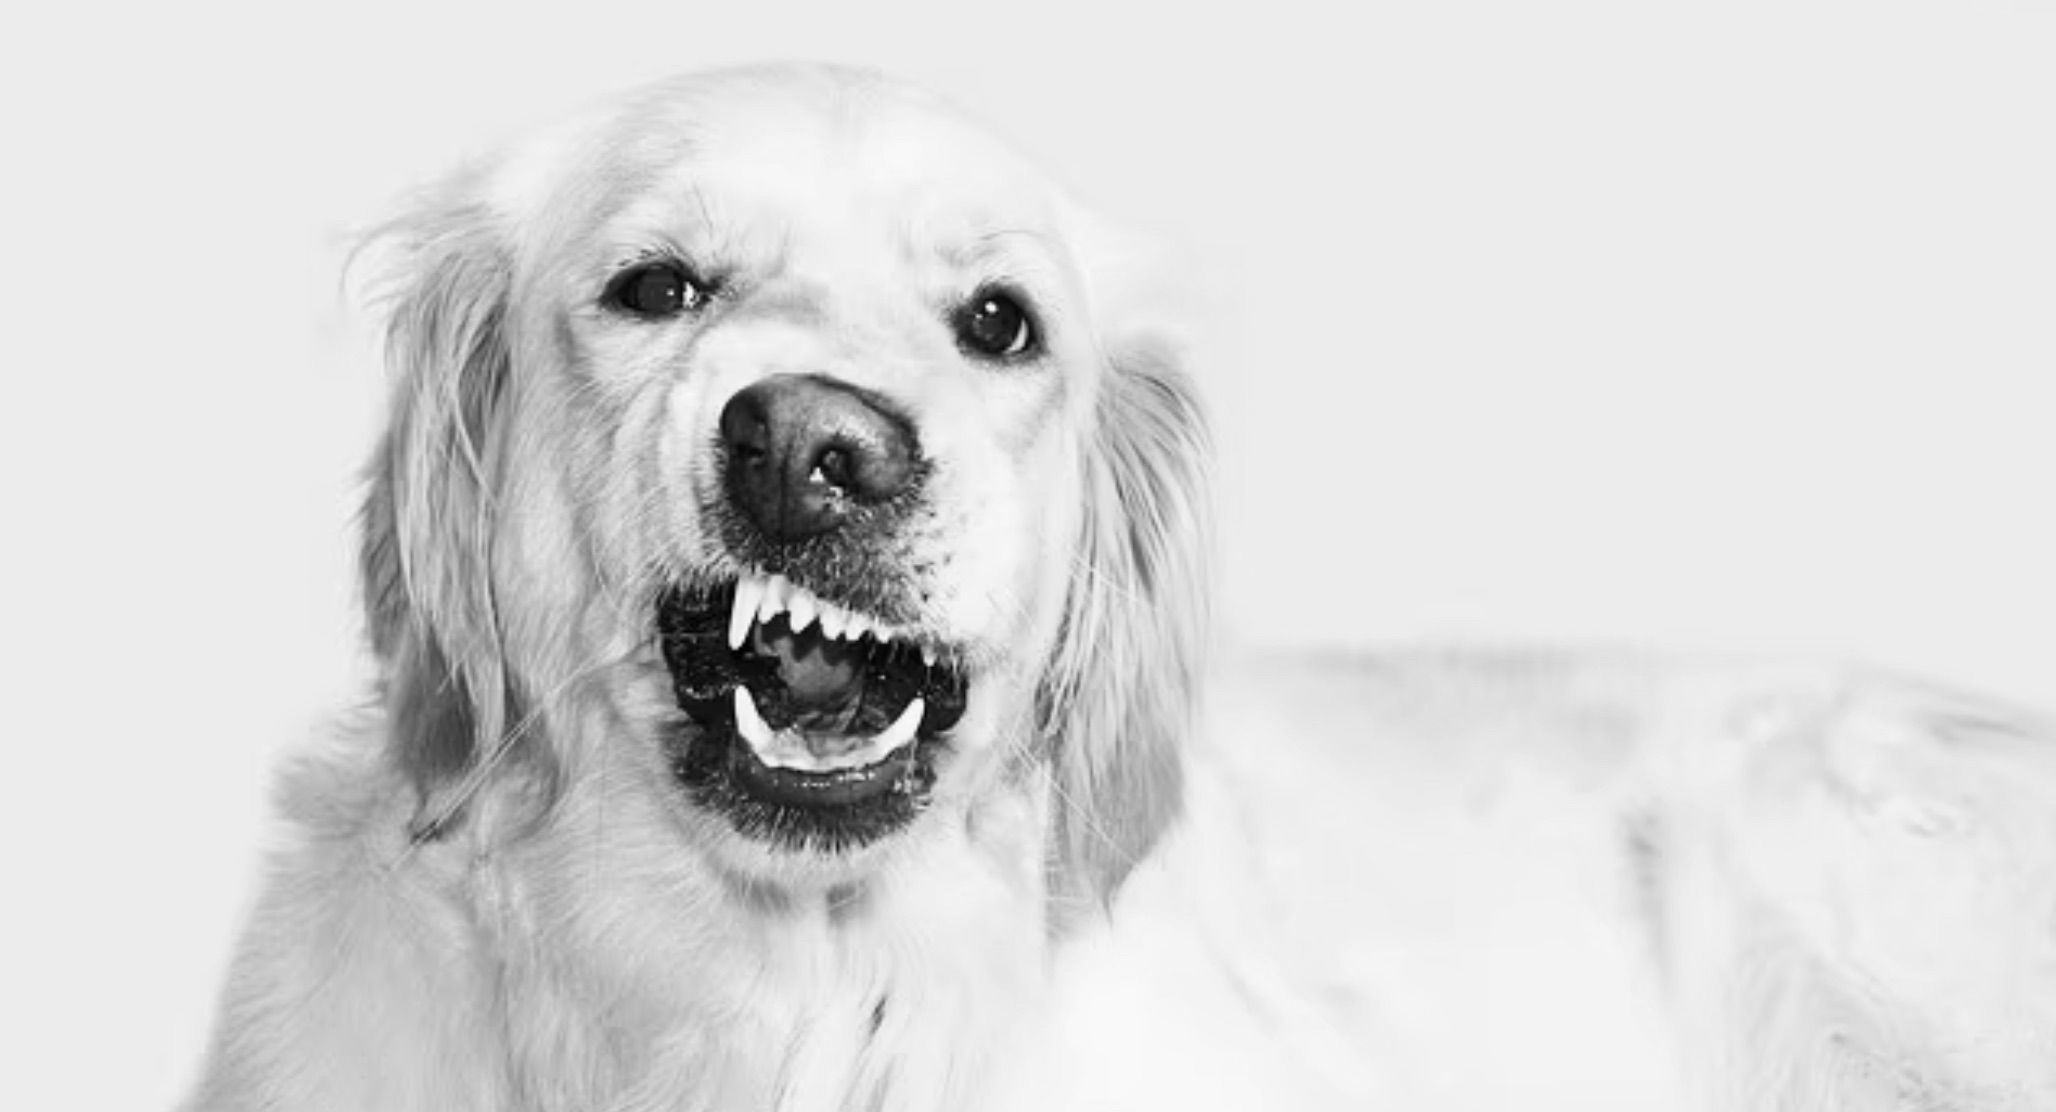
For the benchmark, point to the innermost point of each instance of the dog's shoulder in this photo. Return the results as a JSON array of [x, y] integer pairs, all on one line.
[[1896, 844], [357, 951], [1837, 874]]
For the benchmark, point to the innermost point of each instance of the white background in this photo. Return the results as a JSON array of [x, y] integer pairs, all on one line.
[[1732, 329]]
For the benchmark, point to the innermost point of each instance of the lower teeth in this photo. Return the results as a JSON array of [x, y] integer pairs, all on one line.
[[789, 748]]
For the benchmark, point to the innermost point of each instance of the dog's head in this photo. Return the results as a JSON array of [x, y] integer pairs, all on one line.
[[780, 444]]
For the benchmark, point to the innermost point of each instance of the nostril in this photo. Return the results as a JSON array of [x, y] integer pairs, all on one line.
[[746, 429], [833, 468]]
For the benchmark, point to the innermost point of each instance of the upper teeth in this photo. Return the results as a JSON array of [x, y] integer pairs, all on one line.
[[758, 599]]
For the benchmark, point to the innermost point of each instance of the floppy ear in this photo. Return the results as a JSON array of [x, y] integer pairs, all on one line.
[[1120, 694], [427, 550]]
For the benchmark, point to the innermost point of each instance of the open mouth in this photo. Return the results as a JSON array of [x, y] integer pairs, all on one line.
[[817, 726]]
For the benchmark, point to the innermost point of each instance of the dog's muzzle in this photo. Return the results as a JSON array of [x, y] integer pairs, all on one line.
[[816, 705]]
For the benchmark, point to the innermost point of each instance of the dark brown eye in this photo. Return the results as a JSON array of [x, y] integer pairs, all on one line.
[[655, 291], [993, 325]]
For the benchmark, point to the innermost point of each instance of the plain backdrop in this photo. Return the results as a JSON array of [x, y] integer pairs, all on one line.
[[1731, 328]]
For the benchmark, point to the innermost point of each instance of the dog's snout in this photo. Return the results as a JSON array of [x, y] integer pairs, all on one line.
[[805, 452]]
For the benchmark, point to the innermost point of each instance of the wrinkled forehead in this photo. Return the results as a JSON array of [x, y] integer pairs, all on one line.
[[750, 172]]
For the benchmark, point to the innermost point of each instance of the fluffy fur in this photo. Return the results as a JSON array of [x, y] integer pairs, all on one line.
[[507, 902], [1425, 882]]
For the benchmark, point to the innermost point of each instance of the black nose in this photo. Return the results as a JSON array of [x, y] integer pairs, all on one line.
[[806, 452]]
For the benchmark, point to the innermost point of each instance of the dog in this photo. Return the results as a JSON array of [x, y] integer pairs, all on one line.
[[786, 561]]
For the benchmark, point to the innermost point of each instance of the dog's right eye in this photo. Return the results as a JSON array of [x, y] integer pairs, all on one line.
[[655, 290]]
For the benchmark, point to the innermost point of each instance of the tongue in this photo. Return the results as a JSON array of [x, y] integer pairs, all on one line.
[[822, 677]]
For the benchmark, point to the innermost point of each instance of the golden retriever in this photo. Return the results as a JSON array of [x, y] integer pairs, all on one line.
[[786, 563]]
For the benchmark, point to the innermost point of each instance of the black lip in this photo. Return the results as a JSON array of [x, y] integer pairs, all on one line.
[[841, 788], [825, 811], [801, 811]]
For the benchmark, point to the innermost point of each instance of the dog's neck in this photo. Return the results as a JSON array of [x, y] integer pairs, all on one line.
[[917, 987]]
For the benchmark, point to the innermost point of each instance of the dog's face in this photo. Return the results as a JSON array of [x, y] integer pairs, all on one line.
[[767, 431]]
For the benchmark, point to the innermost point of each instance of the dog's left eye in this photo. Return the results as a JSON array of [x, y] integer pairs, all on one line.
[[655, 290], [994, 325]]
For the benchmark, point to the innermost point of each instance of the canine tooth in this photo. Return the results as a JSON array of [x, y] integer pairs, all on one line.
[[774, 599], [902, 729], [801, 608], [786, 751], [749, 723], [928, 655], [749, 590]]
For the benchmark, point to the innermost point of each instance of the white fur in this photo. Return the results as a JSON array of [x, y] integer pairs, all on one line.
[[1412, 882], [1464, 881]]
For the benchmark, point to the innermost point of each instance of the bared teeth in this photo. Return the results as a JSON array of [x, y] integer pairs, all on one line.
[[789, 749], [759, 599], [776, 591], [749, 591], [749, 723], [801, 608], [902, 729]]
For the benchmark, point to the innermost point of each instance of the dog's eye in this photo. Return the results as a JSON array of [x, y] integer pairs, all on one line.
[[655, 290], [994, 325]]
